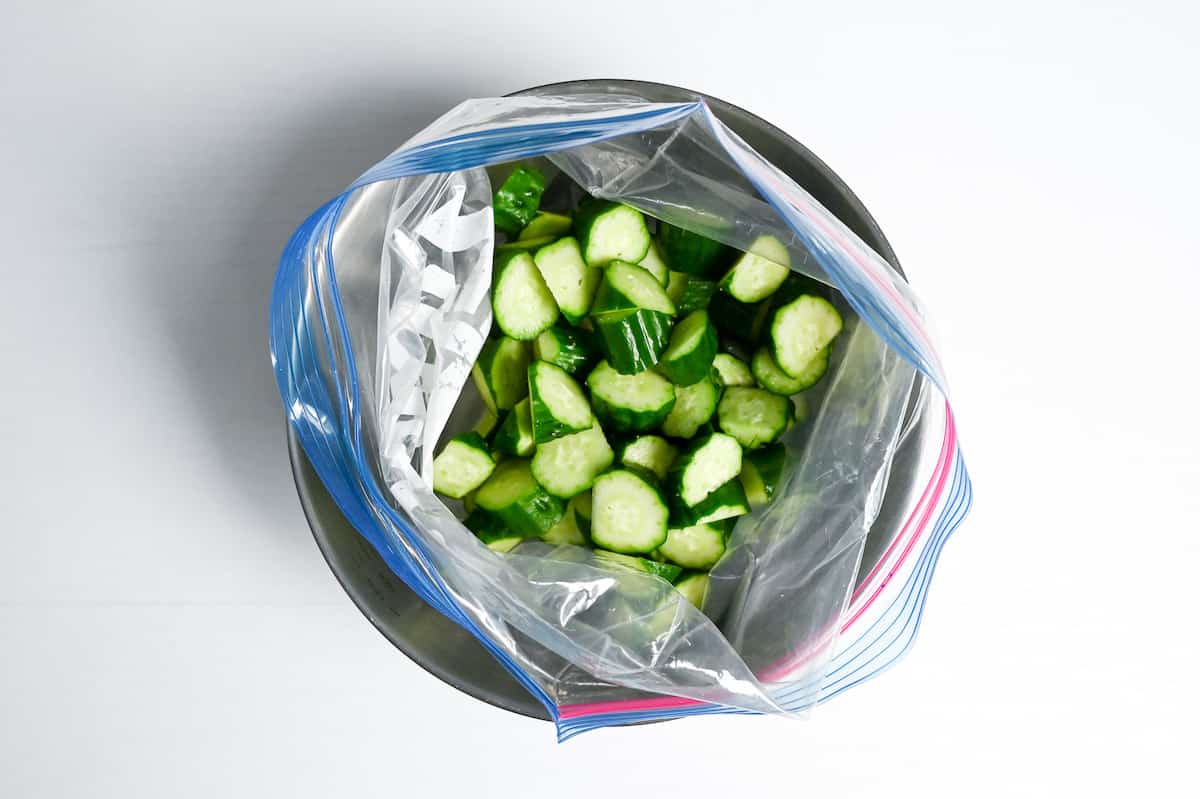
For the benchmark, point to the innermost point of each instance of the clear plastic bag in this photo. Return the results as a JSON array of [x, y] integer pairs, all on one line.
[[374, 356]]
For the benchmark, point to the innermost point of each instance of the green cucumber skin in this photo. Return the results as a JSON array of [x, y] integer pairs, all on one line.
[[531, 514], [547, 426], [546, 224], [633, 341], [729, 494], [516, 201], [625, 420], [697, 294], [609, 299], [696, 364], [689, 252], [768, 462], [574, 349], [741, 321], [487, 527]]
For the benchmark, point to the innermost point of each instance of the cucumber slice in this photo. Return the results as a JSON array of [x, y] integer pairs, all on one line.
[[800, 330], [630, 403], [625, 287], [753, 416], [567, 349], [667, 571], [566, 532], [732, 371], [706, 465], [515, 436], [688, 292], [568, 465], [610, 231], [725, 502], [522, 303], [546, 223], [689, 252], [517, 200], [629, 516], [499, 373], [772, 378], [462, 466], [571, 281], [491, 530], [581, 508], [696, 547], [655, 265], [523, 245], [694, 406], [758, 272], [652, 453], [694, 588], [689, 357], [762, 470], [558, 406], [633, 341], [516, 498]]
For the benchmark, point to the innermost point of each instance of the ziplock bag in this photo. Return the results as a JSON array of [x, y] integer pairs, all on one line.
[[373, 335]]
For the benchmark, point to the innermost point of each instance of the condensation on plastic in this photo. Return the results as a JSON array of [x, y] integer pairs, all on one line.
[[374, 361]]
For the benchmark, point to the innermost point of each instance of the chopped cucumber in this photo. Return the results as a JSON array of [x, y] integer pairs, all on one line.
[[629, 516], [667, 571], [627, 286], [696, 547], [652, 453], [515, 435], [633, 341], [771, 377], [753, 416], [499, 373], [491, 530], [688, 292], [762, 470], [567, 349], [516, 202], [655, 265], [571, 281], [516, 498], [462, 466], [724, 502], [694, 406], [610, 231], [689, 356], [737, 320], [694, 588], [705, 466], [800, 330], [546, 224], [732, 371], [758, 272], [558, 406], [522, 304], [630, 403], [689, 252], [568, 465], [566, 532]]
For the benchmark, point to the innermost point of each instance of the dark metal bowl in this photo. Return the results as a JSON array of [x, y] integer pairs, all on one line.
[[442, 647]]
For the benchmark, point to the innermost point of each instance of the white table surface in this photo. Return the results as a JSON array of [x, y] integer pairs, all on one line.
[[168, 627]]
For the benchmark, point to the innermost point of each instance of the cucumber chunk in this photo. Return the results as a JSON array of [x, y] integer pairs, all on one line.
[[557, 405], [689, 356], [706, 465], [724, 502], [516, 202], [491, 530], [697, 547], [694, 406], [567, 349], [625, 287], [610, 231], [462, 466], [800, 330], [762, 469], [655, 265], [694, 588], [518, 500], [773, 379], [521, 302], [689, 252], [688, 292], [633, 341], [652, 453], [732, 371], [499, 373], [515, 435], [629, 516], [571, 282], [546, 224], [568, 465], [630, 403], [753, 416], [757, 273]]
